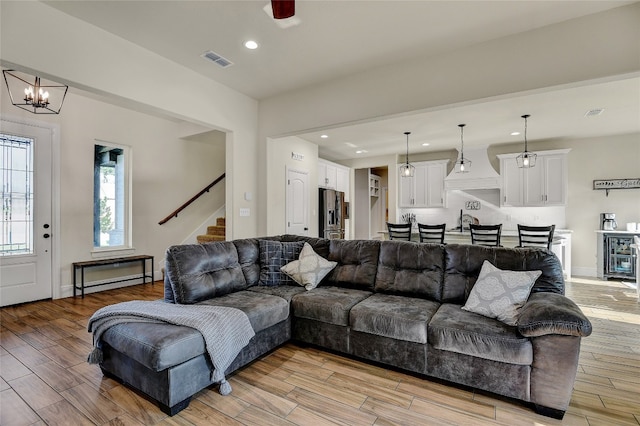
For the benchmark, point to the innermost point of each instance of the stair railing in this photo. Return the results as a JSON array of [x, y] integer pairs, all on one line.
[[191, 200]]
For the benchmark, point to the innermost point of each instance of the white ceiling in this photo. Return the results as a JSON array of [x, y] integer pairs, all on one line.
[[337, 38]]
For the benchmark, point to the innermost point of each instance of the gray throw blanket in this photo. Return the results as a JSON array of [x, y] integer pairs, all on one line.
[[225, 330]]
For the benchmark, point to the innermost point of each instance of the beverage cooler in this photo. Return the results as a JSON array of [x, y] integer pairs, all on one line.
[[619, 256]]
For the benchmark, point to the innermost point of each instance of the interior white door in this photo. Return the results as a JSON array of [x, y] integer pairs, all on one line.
[[297, 202], [26, 234]]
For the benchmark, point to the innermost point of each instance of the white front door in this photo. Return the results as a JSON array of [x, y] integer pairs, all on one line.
[[297, 202], [25, 228]]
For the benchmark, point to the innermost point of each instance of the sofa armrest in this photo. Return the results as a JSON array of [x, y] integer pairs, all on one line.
[[552, 313]]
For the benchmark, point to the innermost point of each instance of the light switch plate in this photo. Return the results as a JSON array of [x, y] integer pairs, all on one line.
[[245, 212]]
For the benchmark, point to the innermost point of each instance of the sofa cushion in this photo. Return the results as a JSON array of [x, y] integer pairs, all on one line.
[[156, 346], [500, 294], [357, 263], [410, 269], [455, 330], [397, 317], [273, 256], [463, 263], [201, 271], [263, 310], [249, 259], [327, 304], [309, 269], [285, 291]]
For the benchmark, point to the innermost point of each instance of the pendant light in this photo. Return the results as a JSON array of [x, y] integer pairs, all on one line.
[[407, 170], [462, 165], [526, 159]]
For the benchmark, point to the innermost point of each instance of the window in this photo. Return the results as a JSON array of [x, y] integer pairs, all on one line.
[[16, 179], [111, 197]]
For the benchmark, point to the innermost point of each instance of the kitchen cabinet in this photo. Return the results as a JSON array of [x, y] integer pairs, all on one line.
[[327, 175], [543, 185], [425, 188], [333, 176]]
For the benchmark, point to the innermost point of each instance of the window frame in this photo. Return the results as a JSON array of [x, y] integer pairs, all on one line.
[[127, 239]]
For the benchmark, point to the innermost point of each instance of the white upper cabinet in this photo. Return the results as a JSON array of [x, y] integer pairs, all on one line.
[[425, 188], [333, 176], [327, 174], [342, 180], [543, 185]]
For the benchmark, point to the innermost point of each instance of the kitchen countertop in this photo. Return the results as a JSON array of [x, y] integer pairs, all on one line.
[[602, 231]]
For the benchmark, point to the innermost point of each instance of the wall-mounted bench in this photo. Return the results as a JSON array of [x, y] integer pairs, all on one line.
[[142, 259]]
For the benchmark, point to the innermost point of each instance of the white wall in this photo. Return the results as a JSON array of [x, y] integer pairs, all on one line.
[[168, 168], [89, 58], [277, 160]]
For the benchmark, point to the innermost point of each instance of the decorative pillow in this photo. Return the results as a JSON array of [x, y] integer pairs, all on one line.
[[309, 269], [273, 256], [500, 294]]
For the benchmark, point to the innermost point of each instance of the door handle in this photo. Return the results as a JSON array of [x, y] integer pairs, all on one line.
[[306, 229], [46, 235]]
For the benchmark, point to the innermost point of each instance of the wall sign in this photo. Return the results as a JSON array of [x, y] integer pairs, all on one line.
[[297, 156], [608, 184], [472, 205]]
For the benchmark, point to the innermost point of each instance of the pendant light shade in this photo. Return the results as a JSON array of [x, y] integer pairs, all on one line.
[[462, 165], [526, 159], [407, 170]]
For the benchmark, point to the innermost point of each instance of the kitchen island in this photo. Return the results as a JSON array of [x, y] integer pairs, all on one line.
[[561, 244]]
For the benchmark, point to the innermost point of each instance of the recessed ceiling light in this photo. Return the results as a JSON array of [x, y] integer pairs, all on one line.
[[515, 133], [425, 144], [593, 112], [361, 151], [324, 136], [250, 44]]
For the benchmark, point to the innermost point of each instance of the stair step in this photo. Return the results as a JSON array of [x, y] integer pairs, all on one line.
[[216, 230], [209, 238], [220, 221]]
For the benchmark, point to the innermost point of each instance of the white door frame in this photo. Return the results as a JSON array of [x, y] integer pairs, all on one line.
[[55, 194]]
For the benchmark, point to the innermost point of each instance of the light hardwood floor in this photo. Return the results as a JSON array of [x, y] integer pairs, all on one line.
[[45, 378]]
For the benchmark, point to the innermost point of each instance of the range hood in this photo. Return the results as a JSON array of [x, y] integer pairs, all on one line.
[[481, 174]]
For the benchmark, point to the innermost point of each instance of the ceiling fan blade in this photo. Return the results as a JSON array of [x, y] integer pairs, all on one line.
[[283, 9]]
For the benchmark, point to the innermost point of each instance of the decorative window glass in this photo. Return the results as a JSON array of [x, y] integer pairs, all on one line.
[[16, 181], [111, 197]]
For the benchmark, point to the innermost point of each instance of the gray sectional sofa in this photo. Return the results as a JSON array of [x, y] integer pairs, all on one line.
[[390, 302]]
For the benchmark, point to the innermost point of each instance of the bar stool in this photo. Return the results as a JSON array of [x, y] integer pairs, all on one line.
[[431, 233], [535, 236], [399, 231], [485, 235]]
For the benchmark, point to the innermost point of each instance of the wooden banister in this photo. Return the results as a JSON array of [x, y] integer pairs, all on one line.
[[191, 200]]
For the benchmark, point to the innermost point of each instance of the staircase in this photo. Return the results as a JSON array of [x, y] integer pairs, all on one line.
[[214, 233]]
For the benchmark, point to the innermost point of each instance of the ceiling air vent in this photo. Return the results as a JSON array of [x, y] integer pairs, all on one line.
[[217, 59], [593, 112]]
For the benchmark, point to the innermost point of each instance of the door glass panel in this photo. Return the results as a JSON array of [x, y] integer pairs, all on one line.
[[16, 181]]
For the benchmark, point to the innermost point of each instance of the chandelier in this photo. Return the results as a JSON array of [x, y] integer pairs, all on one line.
[[38, 96]]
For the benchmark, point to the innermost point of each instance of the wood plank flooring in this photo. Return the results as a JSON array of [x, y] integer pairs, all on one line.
[[45, 379]]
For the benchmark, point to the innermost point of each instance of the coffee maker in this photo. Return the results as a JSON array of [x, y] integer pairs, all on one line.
[[608, 221]]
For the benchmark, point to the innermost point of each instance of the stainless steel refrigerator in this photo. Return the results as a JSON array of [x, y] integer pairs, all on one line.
[[332, 214]]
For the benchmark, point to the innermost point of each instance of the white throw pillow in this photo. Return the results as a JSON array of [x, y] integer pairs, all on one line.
[[500, 294], [309, 269]]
